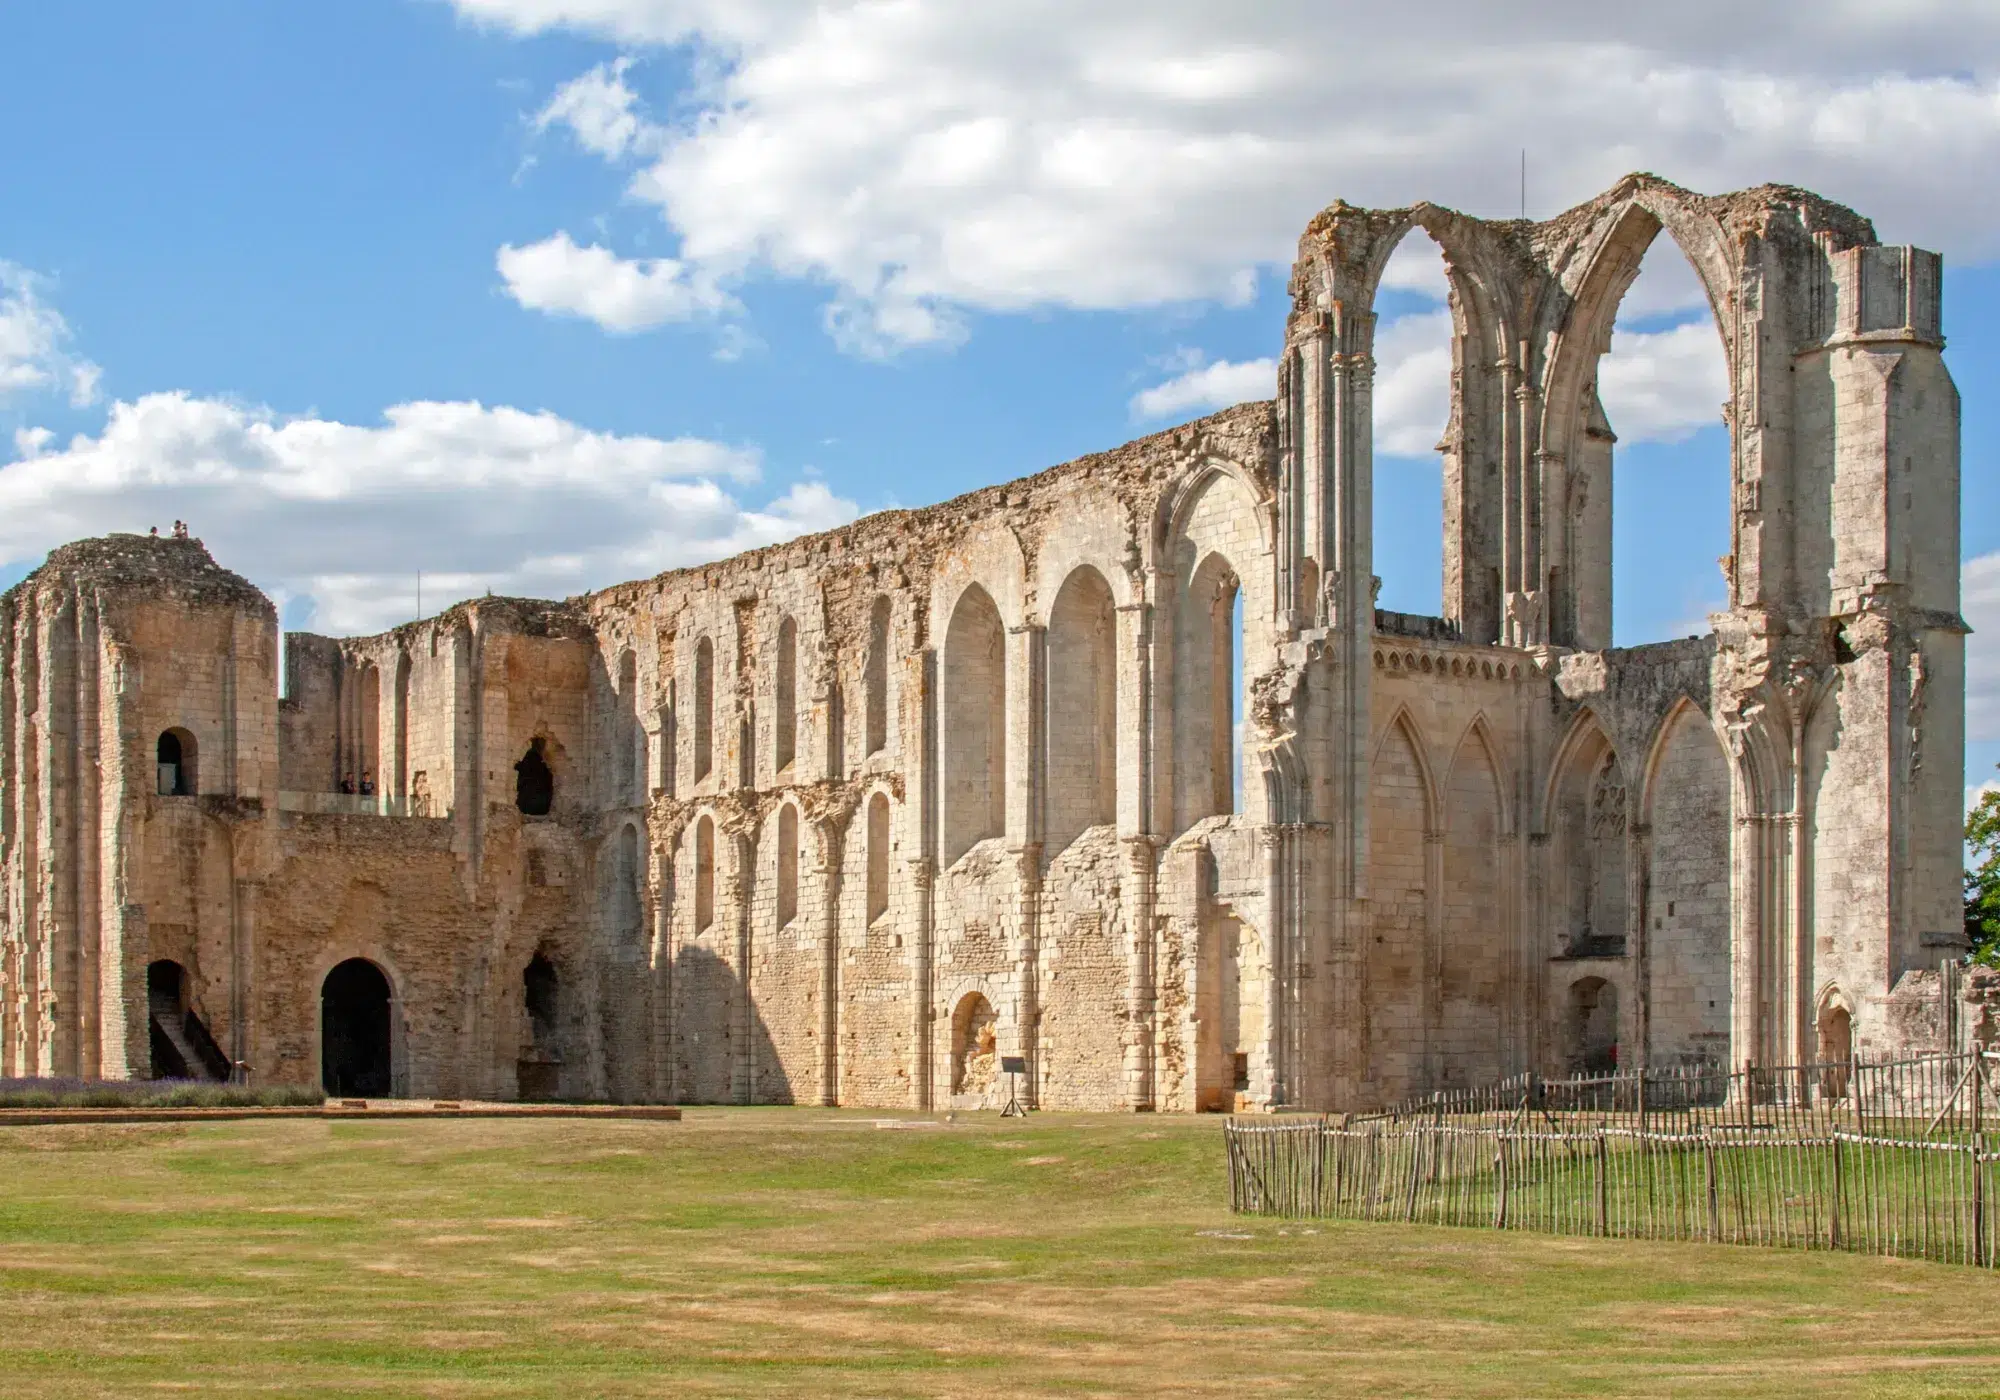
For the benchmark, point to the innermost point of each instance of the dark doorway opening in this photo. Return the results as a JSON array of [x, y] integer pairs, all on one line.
[[534, 783], [354, 1030], [174, 760], [540, 1066], [181, 1045]]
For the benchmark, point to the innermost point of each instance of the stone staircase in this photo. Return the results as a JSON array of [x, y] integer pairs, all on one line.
[[182, 1046]]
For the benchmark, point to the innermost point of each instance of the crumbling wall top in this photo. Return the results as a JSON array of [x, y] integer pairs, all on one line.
[[178, 569]]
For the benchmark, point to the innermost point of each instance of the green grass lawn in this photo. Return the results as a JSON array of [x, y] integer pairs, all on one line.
[[794, 1251]]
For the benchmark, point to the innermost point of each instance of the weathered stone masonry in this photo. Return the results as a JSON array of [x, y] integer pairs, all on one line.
[[848, 819]]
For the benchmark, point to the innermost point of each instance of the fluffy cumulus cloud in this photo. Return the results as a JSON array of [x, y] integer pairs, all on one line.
[[1202, 387], [35, 354], [619, 294], [924, 159], [476, 498]]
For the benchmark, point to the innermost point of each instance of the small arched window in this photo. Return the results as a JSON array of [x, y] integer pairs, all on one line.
[[877, 676], [704, 874], [176, 764], [878, 857], [704, 708], [788, 864], [534, 781], [785, 741]]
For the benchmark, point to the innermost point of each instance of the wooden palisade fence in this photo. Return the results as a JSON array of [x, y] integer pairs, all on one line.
[[1879, 1159]]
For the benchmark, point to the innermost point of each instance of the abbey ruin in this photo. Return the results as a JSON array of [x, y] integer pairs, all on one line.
[[849, 818]]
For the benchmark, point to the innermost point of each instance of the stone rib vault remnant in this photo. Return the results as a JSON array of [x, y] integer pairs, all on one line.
[[843, 820]]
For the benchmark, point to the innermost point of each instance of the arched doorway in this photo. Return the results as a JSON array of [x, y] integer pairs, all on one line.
[[974, 1031], [1835, 1050], [354, 1030], [1591, 1035], [539, 1070]]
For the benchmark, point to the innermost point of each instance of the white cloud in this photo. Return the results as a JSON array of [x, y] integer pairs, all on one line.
[[1412, 383], [601, 112], [1207, 387], [1980, 582], [474, 497], [1662, 386], [34, 344], [925, 160], [619, 294]]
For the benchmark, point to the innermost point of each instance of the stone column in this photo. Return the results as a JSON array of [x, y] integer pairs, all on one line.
[[830, 840]]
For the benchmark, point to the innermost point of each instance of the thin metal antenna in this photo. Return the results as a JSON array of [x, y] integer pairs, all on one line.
[[1524, 184]]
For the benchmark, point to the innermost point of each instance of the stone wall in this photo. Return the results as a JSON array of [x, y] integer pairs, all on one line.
[[1116, 768]]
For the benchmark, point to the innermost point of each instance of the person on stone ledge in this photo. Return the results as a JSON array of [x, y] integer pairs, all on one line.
[[347, 784], [367, 782]]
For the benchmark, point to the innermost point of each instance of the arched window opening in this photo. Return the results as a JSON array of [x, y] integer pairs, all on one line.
[[540, 993], [878, 857], [704, 874], [626, 782], [1835, 1050], [1590, 834], [788, 864], [627, 901], [1208, 684], [974, 742], [877, 677], [1082, 724], [539, 1067], [534, 781], [1415, 439], [1645, 568], [836, 732], [785, 742], [974, 1038], [704, 708], [182, 1047], [1590, 1035], [175, 757], [354, 1004]]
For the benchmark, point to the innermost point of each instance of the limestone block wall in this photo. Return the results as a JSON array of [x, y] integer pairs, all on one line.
[[1114, 768]]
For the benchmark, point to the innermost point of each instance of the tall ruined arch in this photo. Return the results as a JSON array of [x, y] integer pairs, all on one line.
[[1208, 701], [973, 741], [1685, 817], [1582, 411], [1328, 383], [1215, 537], [1082, 728], [785, 707]]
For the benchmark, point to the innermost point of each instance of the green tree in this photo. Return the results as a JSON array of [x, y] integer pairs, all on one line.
[[1982, 878]]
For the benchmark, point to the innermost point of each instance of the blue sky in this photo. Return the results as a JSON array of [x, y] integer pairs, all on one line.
[[538, 294]]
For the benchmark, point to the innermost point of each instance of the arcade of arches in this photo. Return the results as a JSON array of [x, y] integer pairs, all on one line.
[[1117, 769]]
